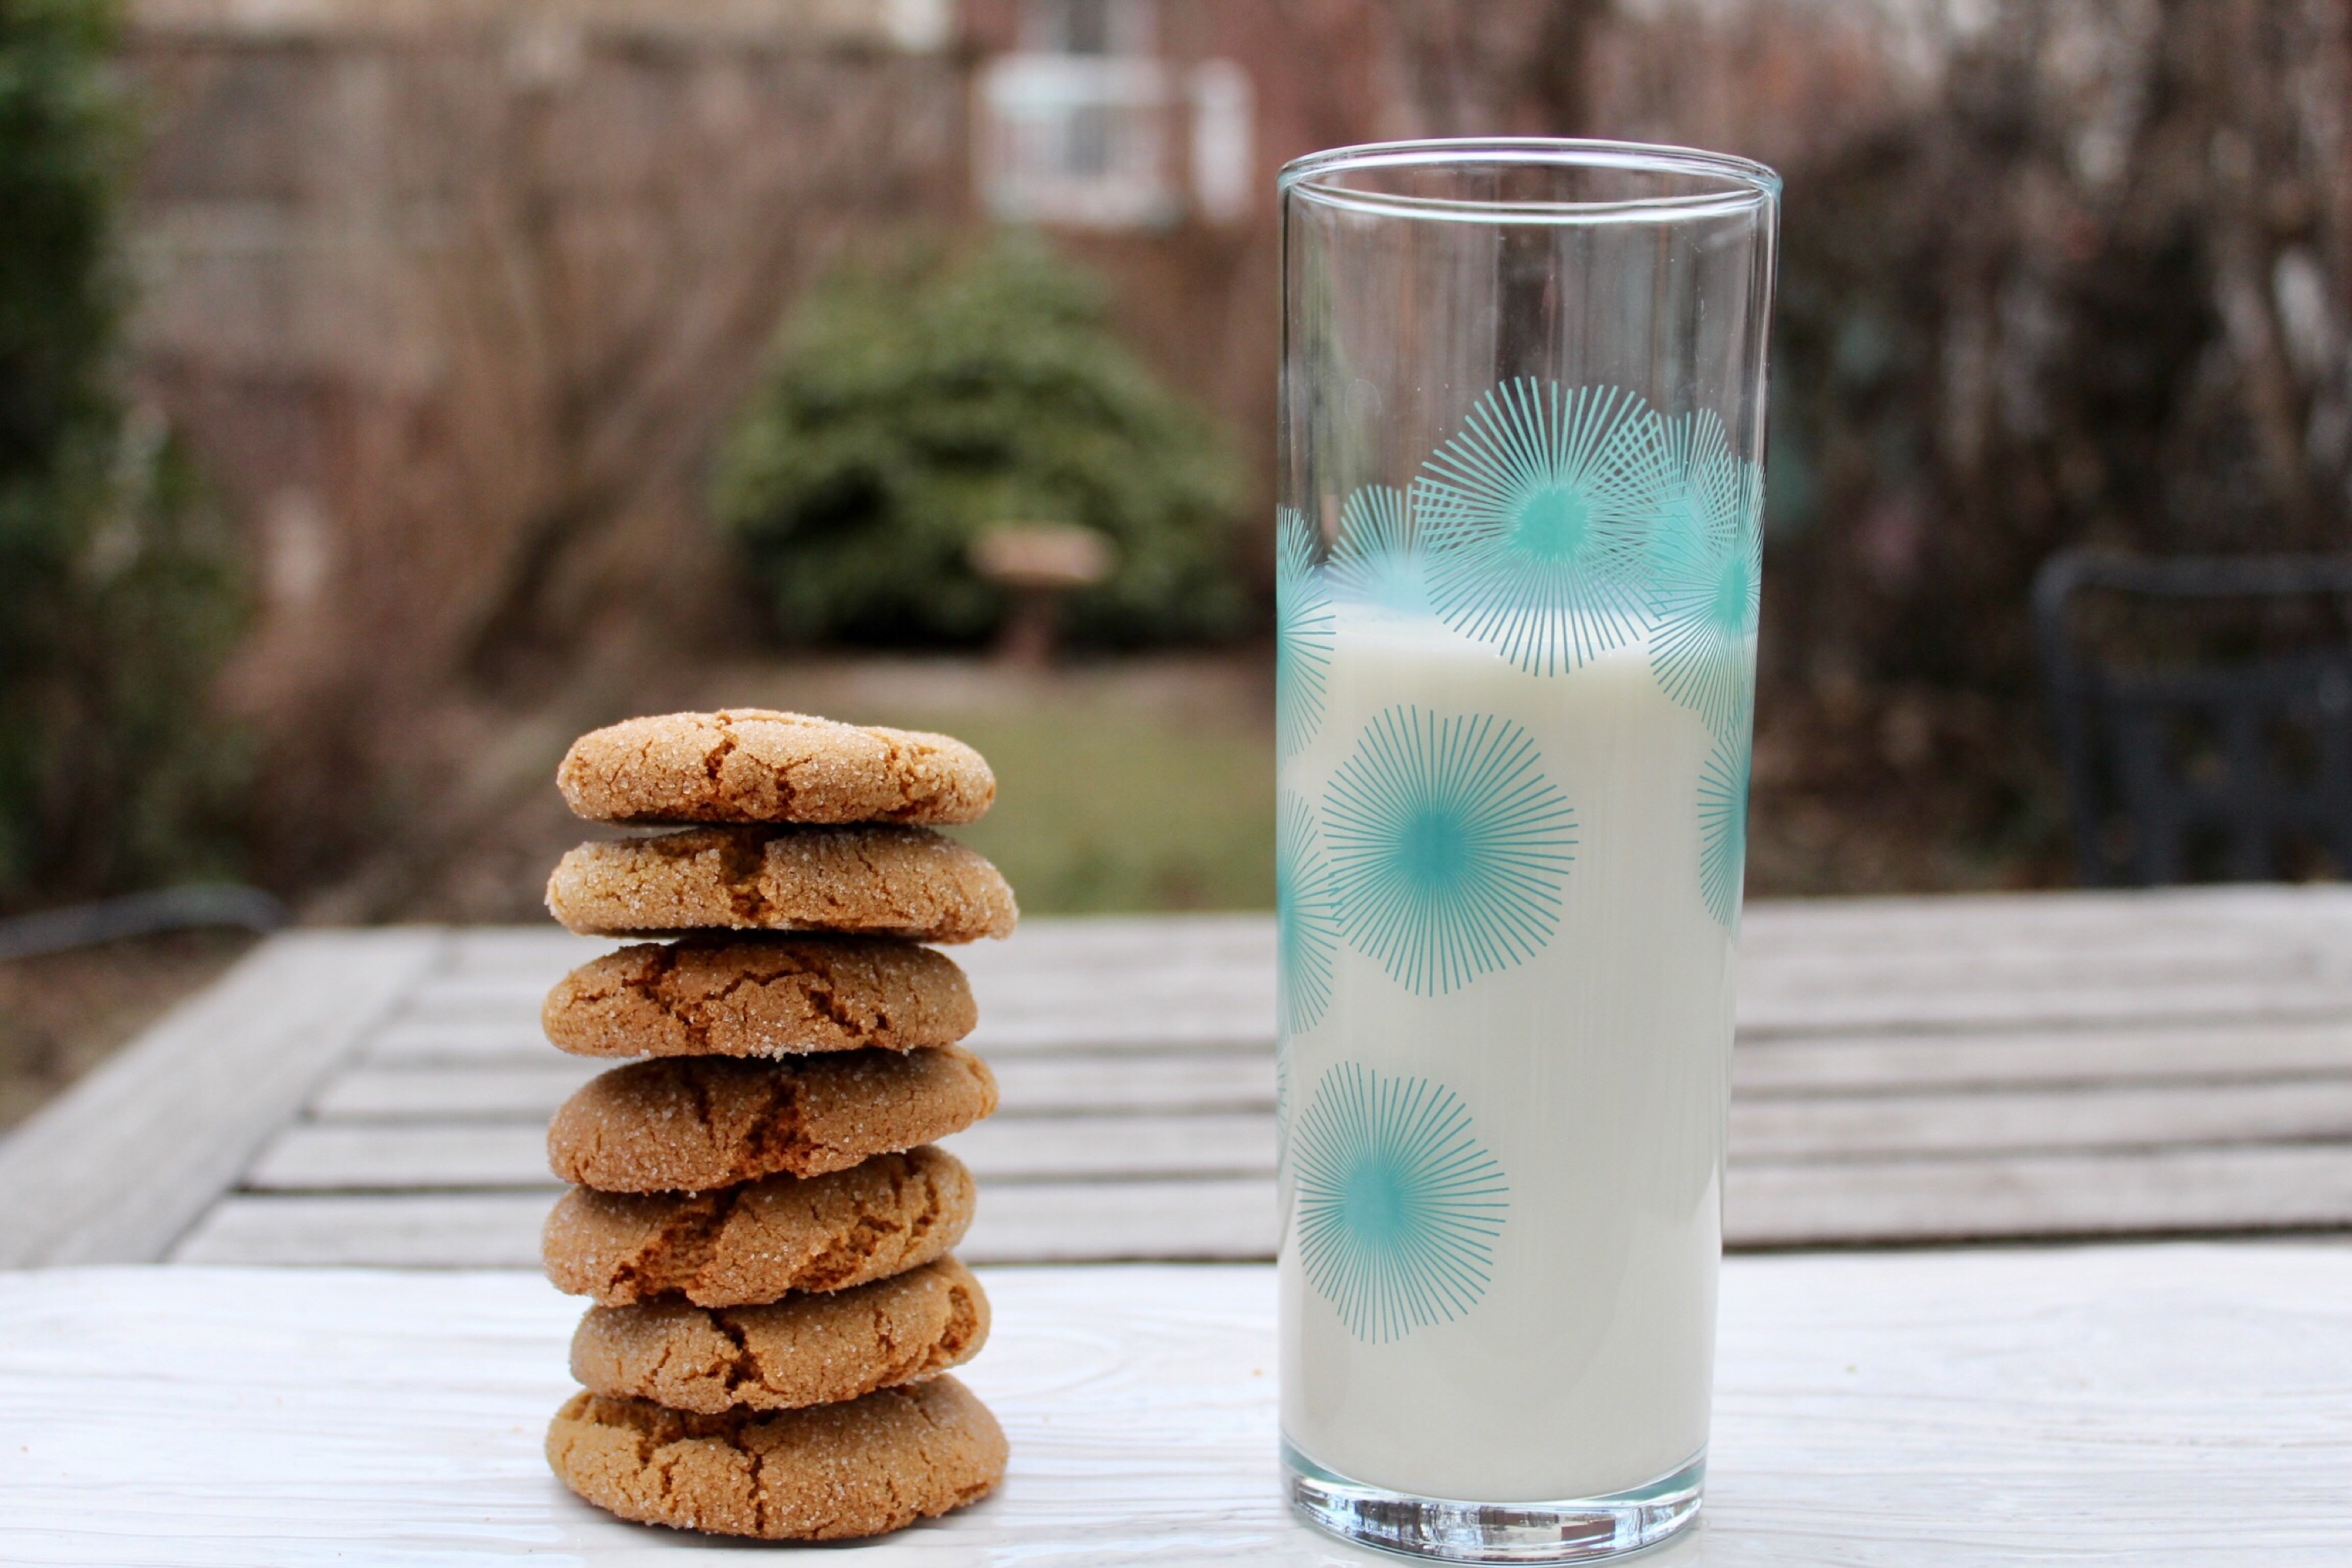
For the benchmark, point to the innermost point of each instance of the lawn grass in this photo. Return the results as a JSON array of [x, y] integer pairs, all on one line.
[[1134, 786], [1104, 811]]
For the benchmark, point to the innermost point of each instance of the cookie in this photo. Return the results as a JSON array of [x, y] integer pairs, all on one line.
[[879, 880], [804, 1350], [759, 997], [751, 764], [747, 1246], [685, 1123], [832, 1472]]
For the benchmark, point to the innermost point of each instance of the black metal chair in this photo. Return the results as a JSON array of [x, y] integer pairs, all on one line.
[[2203, 772]]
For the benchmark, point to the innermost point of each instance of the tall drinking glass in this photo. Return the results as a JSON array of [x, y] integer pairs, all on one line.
[[1523, 391]]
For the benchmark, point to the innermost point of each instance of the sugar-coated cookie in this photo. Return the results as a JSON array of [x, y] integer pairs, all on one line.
[[685, 1123], [804, 1350], [907, 882], [753, 764], [832, 1472], [746, 1246], [759, 997]]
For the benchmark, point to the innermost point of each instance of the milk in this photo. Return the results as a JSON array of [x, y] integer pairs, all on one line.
[[1570, 1096]]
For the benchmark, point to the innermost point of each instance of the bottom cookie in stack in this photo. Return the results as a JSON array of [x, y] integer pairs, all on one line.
[[818, 1417], [828, 1472]]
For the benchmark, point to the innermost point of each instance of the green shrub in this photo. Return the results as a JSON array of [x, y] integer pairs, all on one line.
[[917, 402], [118, 594]]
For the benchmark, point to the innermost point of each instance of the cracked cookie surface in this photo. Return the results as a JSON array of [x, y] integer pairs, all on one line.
[[751, 1244], [759, 997], [833, 1472], [687, 1123], [804, 1350], [755, 764], [907, 882]]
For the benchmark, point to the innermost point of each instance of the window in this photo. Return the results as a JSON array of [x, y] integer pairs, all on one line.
[[1087, 125]]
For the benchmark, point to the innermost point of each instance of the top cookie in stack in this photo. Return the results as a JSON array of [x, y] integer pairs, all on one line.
[[762, 1225]]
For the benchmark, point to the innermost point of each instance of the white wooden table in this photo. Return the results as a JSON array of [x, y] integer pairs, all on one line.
[[1915, 1073], [2179, 1405]]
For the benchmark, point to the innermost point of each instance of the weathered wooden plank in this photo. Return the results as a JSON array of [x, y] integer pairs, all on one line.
[[1198, 972], [481, 1128], [116, 1168], [1018, 1222], [2109, 1406], [429, 1230], [1139, 943], [508, 1003], [1107, 953], [2133, 1054], [360, 1156], [518, 1091], [516, 1041], [1829, 964], [1122, 1077], [1948, 925], [2136, 1191], [1090, 1222], [1047, 1012], [535, 955], [2048, 958], [1835, 966], [1115, 1083], [1106, 1028], [2013, 1120], [2131, 1192], [1952, 1054], [1045, 1148], [534, 1082], [1029, 1085], [320, 1157], [1899, 1000], [411, 1041]]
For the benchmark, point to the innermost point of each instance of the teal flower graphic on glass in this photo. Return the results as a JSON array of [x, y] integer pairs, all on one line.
[[1305, 916], [1302, 632], [1706, 567], [1377, 561], [1723, 824], [1449, 848], [1398, 1205], [1535, 519]]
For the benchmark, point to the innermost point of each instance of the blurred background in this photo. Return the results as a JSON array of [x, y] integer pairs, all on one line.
[[391, 390]]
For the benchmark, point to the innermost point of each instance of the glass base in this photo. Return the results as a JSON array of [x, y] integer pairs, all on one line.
[[1575, 1529]]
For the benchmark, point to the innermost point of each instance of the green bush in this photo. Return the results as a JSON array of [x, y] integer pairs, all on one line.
[[118, 594], [917, 402]]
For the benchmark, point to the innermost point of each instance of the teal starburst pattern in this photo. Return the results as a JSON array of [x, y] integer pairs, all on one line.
[[1305, 915], [1398, 1203], [1723, 825], [1535, 520], [1377, 560], [1449, 848], [1302, 632], [1707, 557]]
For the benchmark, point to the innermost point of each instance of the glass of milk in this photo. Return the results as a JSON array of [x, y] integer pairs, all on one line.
[[1522, 427]]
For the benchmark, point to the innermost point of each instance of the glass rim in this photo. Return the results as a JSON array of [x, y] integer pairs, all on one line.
[[1744, 184]]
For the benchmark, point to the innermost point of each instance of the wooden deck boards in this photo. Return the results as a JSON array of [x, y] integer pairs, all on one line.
[[1908, 1070]]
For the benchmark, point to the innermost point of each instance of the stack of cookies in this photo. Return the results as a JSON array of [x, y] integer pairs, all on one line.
[[757, 1211]]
